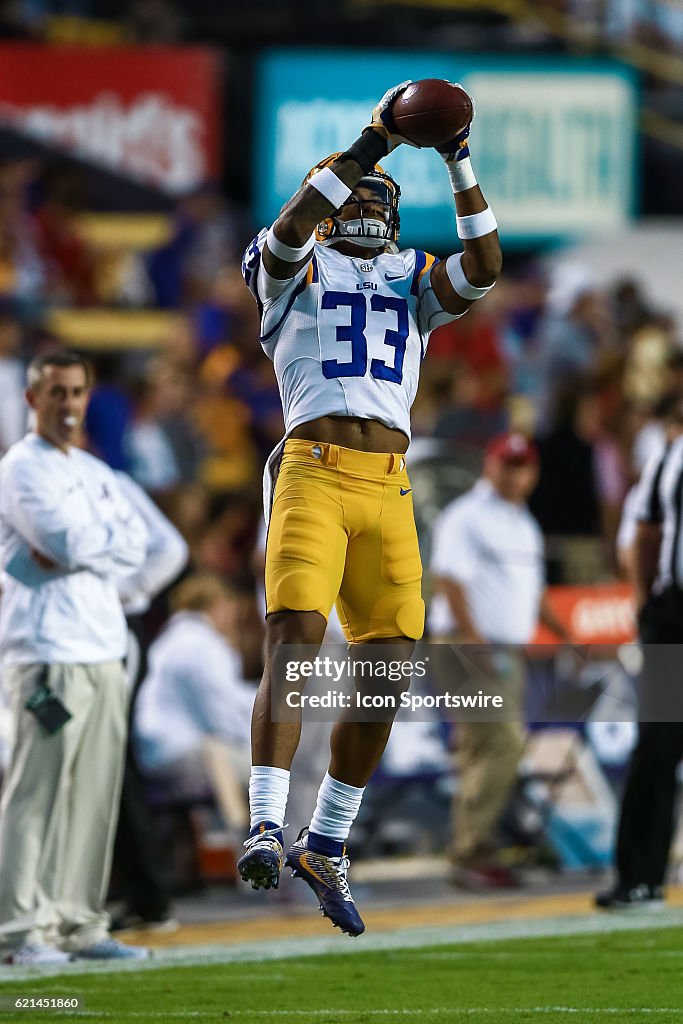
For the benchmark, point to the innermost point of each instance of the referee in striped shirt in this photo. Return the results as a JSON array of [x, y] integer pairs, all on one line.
[[648, 805]]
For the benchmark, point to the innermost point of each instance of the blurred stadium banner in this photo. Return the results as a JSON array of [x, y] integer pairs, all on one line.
[[553, 142], [602, 613], [150, 113]]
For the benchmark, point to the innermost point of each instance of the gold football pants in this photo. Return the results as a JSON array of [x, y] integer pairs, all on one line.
[[342, 529]]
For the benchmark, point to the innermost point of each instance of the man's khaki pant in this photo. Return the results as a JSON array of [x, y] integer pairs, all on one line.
[[60, 805], [487, 756]]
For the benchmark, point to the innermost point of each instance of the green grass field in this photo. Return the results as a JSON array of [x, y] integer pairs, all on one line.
[[622, 976]]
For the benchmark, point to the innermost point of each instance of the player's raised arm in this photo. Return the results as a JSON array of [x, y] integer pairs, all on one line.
[[465, 277], [291, 238]]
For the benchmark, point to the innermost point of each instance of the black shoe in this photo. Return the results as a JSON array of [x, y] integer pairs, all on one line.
[[638, 897]]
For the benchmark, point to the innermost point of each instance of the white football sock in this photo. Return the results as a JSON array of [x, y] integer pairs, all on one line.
[[336, 808], [268, 792]]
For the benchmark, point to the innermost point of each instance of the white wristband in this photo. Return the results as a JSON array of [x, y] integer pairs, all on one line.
[[456, 275], [461, 174], [477, 224], [287, 252], [330, 187]]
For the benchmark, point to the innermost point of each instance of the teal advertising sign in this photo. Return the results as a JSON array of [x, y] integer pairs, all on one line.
[[553, 142]]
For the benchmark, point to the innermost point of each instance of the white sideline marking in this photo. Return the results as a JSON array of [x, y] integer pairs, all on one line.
[[437, 1011], [499, 954], [400, 938]]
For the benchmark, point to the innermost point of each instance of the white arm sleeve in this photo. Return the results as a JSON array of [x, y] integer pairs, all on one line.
[[271, 288], [262, 286], [430, 312]]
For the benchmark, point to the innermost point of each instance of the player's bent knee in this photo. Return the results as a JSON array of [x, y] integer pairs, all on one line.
[[410, 618], [299, 591]]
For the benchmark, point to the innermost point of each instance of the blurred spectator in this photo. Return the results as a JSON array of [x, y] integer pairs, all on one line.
[[630, 307], [566, 501], [189, 508], [208, 235], [224, 314], [525, 294], [70, 261], [12, 406], [110, 411], [487, 559], [469, 354], [240, 412], [575, 329], [21, 271], [161, 443], [656, 23], [674, 378], [229, 535], [649, 350], [194, 690], [651, 433], [224, 420]]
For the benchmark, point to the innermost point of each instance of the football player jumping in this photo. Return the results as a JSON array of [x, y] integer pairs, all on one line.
[[345, 317]]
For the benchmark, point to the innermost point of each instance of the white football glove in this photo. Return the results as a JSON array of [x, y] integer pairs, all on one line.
[[381, 118]]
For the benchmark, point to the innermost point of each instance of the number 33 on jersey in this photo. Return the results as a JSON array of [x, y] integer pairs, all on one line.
[[347, 335]]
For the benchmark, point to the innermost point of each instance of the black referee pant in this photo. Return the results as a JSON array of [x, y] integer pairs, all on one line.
[[648, 804], [139, 857]]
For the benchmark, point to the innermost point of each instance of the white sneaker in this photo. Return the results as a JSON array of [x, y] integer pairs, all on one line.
[[36, 953], [111, 949]]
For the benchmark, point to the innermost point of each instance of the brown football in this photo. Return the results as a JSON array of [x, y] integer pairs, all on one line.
[[431, 111]]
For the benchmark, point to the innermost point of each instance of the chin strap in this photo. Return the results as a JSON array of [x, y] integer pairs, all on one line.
[[364, 243], [365, 232]]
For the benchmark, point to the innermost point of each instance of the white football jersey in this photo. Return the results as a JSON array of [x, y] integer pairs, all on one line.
[[347, 335]]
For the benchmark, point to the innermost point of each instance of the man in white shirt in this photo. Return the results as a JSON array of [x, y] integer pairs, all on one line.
[[194, 691], [487, 561], [67, 537]]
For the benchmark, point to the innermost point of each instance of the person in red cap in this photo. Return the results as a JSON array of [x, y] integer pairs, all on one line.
[[489, 588], [514, 450]]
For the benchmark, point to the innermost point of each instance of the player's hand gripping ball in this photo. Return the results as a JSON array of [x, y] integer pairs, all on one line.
[[431, 112], [382, 119], [456, 148]]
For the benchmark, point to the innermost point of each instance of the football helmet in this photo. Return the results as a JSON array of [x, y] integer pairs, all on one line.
[[366, 230]]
